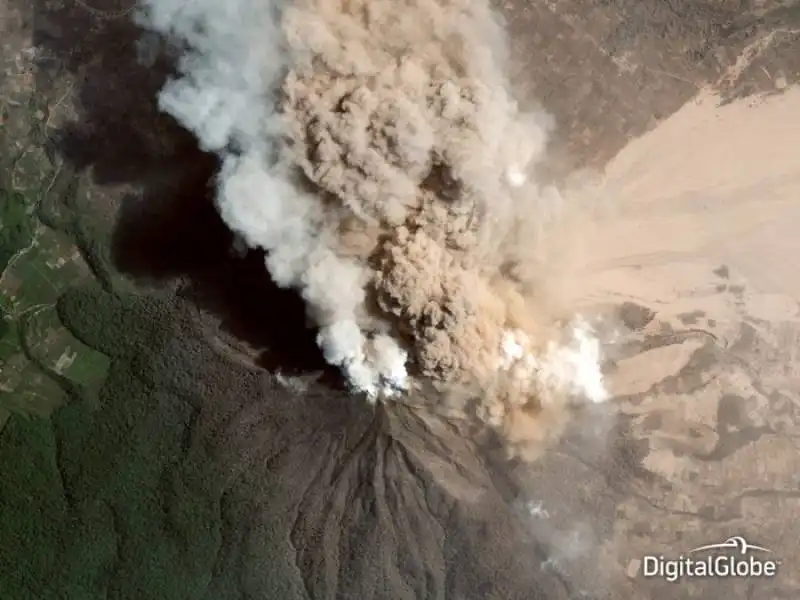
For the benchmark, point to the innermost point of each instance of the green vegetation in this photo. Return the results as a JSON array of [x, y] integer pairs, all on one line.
[[16, 227], [41, 359], [43, 365], [97, 317], [5, 327], [100, 495], [31, 502], [121, 510]]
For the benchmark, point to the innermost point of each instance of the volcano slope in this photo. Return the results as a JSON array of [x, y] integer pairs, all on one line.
[[199, 471]]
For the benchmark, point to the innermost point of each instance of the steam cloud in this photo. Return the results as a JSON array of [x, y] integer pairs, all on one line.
[[374, 149]]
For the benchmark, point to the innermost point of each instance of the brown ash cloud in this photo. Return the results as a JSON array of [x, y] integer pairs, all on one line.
[[375, 150]]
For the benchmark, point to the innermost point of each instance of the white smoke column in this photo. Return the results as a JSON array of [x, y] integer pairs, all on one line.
[[234, 60], [575, 367], [571, 368], [374, 150]]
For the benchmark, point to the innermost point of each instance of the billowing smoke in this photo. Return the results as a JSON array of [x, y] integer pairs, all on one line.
[[375, 151]]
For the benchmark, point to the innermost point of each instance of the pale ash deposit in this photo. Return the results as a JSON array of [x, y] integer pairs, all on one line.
[[374, 150]]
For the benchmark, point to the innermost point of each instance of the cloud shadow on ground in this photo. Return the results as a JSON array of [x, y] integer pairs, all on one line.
[[167, 230]]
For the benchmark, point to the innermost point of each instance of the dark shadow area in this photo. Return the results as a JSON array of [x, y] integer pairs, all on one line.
[[120, 133], [175, 233], [168, 230]]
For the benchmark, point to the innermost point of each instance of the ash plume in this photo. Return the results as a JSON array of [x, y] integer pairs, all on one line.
[[375, 151]]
